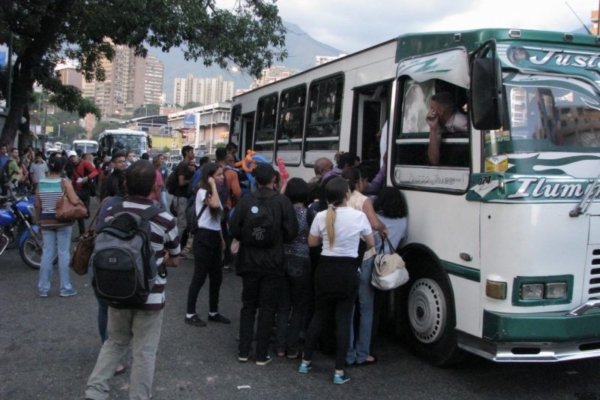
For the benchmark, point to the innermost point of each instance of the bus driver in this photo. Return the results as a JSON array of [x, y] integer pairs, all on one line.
[[443, 117]]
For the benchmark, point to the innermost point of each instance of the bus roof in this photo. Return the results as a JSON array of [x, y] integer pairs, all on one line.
[[410, 45], [85, 141], [122, 131]]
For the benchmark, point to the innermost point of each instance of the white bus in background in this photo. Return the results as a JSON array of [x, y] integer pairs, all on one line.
[[86, 146], [124, 139]]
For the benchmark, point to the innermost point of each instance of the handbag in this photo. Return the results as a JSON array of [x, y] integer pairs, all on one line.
[[389, 270], [67, 211], [84, 248]]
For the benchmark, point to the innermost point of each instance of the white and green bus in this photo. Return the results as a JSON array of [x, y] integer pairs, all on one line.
[[503, 244]]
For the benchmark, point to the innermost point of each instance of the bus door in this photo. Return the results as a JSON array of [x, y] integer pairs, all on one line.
[[371, 115], [247, 134]]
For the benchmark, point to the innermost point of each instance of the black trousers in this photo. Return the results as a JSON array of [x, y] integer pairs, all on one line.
[[260, 293], [336, 288], [207, 262]]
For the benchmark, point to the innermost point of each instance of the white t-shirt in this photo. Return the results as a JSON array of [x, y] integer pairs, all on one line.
[[206, 220], [350, 224]]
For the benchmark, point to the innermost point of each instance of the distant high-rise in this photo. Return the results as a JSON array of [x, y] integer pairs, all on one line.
[[202, 90], [154, 80], [130, 82], [68, 75], [320, 60]]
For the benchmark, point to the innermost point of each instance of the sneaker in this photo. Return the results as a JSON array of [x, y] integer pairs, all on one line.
[[264, 361], [43, 294], [189, 255], [341, 379], [218, 318], [304, 368], [194, 321], [243, 357], [68, 293]]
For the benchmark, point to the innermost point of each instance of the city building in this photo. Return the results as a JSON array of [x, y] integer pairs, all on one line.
[[202, 90], [130, 82], [202, 127], [68, 75], [320, 60]]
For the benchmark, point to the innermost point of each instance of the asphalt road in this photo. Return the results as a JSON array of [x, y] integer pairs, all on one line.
[[48, 347]]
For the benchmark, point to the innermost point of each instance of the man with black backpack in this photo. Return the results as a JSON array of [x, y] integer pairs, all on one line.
[[135, 294], [262, 222]]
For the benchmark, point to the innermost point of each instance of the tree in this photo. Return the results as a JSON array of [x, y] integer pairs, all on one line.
[[146, 110], [44, 32], [191, 104]]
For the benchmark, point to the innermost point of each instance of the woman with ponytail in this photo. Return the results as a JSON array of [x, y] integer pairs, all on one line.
[[339, 229]]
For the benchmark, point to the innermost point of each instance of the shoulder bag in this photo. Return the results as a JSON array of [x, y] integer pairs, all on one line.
[[84, 248], [67, 211], [389, 270]]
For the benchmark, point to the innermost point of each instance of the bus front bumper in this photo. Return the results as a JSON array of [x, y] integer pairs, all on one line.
[[538, 337]]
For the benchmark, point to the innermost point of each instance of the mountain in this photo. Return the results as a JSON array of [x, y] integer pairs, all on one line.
[[302, 50]]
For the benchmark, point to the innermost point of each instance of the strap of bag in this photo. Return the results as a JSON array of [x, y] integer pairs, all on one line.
[[92, 226], [201, 211]]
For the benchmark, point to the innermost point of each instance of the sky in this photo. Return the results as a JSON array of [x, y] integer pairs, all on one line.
[[352, 25]]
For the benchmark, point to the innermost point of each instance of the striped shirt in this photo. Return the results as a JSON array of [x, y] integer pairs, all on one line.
[[164, 238], [49, 192]]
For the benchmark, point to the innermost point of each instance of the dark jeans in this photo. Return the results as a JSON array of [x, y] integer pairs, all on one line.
[[207, 262], [336, 286], [259, 293], [84, 196], [102, 319], [295, 294]]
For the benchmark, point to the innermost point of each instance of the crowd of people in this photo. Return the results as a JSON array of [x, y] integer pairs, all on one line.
[[304, 251]]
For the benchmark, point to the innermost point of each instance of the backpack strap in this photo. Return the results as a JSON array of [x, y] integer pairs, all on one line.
[[150, 213]]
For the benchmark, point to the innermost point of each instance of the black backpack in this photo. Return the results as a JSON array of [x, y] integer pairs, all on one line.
[[123, 260], [191, 217], [172, 183], [259, 223]]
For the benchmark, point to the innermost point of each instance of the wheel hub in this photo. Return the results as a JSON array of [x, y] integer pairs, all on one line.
[[427, 310]]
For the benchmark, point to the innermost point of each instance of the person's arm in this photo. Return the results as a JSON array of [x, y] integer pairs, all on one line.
[[68, 187], [91, 171], [38, 205], [433, 150], [236, 221], [374, 186], [234, 184], [374, 220], [181, 174], [369, 240], [213, 200], [314, 241]]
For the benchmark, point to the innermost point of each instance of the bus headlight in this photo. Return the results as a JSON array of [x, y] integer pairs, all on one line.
[[556, 290], [532, 291]]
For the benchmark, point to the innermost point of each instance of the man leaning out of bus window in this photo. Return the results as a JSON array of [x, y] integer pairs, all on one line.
[[443, 117]]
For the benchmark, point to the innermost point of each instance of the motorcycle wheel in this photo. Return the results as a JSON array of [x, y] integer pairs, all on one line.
[[13, 239], [31, 253]]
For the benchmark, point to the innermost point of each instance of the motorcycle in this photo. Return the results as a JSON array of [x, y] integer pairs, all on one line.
[[18, 228]]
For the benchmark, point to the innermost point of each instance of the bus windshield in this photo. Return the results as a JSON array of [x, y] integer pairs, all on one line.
[[86, 147], [547, 114], [135, 143]]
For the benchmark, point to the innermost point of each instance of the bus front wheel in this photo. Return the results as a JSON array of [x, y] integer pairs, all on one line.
[[430, 318]]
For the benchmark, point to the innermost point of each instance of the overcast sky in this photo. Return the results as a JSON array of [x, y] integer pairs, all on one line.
[[352, 25]]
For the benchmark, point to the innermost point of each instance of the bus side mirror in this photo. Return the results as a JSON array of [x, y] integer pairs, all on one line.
[[486, 94], [149, 140]]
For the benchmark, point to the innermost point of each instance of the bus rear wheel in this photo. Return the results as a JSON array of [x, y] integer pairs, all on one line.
[[430, 318]]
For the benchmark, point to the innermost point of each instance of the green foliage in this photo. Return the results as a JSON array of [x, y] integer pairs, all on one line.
[[44, 32], [191, 104], [219, 145], [102, 126], [146, 110]]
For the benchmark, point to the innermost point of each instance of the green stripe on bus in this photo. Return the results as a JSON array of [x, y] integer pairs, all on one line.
[[471, 274], [540, 327]]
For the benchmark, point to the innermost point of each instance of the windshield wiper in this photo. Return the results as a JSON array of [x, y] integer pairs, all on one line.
[[589, 197]]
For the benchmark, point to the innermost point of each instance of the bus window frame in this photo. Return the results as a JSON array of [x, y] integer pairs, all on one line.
[[280, 111], [334, 139], [258, 119], [424, 173]]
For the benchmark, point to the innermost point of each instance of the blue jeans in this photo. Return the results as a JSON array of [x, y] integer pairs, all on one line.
[[55, 239], [359, 350]]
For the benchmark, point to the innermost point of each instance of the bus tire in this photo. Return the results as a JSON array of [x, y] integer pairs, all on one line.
[[429, 320]]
